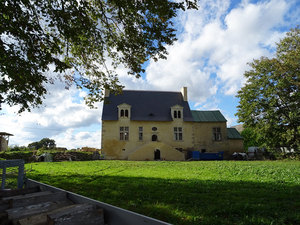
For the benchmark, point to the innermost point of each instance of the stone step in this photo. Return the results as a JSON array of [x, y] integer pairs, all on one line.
[[39, 219], [9, 193], [76, 214], [35, 198], [30, 210], [4, 205]]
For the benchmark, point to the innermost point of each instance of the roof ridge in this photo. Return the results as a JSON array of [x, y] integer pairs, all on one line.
[[151, 91], [213, 110]]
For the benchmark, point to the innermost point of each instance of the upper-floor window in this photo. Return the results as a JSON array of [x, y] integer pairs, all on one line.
[[154, 137], [140, 133], [217, 136], [124, 113], [178, 133], [124, 133], [176, 112], [124, 110]]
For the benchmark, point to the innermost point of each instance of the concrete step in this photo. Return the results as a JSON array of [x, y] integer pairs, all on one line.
[[35, 198], [35, 207], [9, 193], [76, 214], [30, 210]]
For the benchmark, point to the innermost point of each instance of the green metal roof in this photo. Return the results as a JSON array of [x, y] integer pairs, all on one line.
[[208, 116], [232, 133]]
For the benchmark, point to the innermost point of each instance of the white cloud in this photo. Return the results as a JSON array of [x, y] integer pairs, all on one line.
[[62, 117], [215, 45]]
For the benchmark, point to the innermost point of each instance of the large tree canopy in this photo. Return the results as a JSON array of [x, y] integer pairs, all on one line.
[[82, 40], [45, 143], [270, 100]]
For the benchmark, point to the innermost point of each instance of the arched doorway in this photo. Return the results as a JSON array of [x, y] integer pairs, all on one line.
[[154, 137], [157, 154]]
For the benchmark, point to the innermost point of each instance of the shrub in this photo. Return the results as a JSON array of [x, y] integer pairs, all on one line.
[[15, 148], [27, 156]]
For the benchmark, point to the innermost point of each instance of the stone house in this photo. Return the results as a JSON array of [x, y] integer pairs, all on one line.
[[154, 125]]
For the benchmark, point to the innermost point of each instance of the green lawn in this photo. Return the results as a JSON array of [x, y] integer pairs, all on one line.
[[218, 192]]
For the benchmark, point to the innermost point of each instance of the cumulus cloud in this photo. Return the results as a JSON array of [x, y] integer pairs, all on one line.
[[215, 44], [62, 116]]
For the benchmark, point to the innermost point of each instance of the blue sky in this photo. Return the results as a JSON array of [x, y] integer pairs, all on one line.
[[211, 54]]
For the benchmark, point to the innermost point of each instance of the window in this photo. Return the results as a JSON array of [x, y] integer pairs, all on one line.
[[177, 114], [178, 133], [124, 111], [154, 137], [124, 133], [140, 133], [217, 134]]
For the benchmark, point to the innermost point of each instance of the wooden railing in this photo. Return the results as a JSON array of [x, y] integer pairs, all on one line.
[[13, 163]]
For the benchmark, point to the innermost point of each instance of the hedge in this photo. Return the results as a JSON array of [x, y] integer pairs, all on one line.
[[32, 156]]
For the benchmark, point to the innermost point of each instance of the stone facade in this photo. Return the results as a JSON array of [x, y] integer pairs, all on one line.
[[129, 136]]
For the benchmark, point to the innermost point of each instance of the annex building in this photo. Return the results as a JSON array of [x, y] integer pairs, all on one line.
[[159, 125]]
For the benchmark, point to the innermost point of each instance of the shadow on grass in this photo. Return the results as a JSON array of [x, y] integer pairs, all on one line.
[[190, 201]]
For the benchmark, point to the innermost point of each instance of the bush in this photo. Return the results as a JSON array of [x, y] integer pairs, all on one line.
[[16, 148], [27, 156]]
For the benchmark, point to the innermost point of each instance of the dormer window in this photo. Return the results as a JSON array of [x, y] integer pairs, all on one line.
[[124, 113], [124, 110], [177, 112]]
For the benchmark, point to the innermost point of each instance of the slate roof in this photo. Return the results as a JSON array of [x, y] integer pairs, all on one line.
[[232, 133], [208, 116], [146, 105]]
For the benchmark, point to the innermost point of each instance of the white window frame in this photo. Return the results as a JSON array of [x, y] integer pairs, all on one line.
[[178, 134], [124, 133]]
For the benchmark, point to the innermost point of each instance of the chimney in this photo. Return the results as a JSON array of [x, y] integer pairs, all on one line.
[[106, 92], [184, 93]]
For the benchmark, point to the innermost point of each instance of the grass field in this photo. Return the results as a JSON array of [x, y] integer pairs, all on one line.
[[218, 192]]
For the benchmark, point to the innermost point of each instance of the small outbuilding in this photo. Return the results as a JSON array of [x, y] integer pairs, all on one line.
[[4, 138]]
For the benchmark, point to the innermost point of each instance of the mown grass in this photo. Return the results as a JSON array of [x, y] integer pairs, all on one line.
[[185, 193]]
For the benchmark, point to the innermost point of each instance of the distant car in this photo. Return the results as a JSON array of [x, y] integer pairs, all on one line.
[[240, 156]]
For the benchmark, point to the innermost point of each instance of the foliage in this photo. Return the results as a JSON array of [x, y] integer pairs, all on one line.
[[45, 143], [270, 100], [27, 156], [85, 41], [186, 193], [251, 139], [57, 155], [17, 148]]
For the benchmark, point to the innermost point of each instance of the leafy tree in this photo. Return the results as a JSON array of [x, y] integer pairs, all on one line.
[[251, 139], [84, 41], [45, 143], [270, 100]]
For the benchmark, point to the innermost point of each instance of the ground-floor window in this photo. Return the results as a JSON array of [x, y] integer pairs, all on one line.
[[178, 133], [124, 133]]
